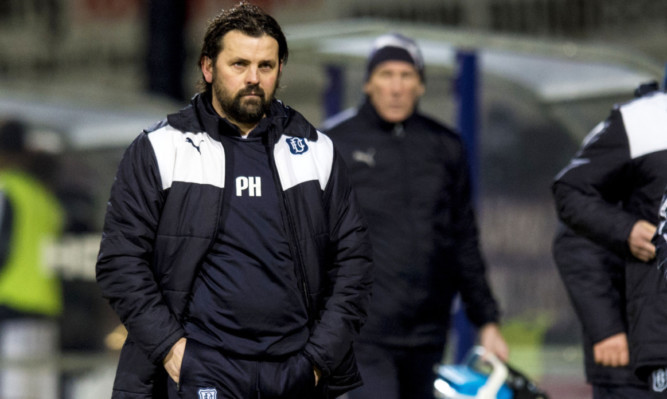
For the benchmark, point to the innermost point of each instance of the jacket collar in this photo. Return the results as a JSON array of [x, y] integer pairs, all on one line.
[[200, 116], [369, 112]]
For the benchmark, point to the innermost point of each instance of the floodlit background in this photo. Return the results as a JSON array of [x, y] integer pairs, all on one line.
[[88, 75]]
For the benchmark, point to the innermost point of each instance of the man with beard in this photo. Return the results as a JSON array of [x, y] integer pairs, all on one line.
[[233, 249]]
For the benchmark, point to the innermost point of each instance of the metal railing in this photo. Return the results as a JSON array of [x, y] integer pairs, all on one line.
[[566, 18]]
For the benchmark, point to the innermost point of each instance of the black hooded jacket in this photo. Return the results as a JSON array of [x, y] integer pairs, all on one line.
[[162, 218], [617, 179]]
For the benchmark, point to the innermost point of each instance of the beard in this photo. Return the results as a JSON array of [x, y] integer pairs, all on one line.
[[242, 109]]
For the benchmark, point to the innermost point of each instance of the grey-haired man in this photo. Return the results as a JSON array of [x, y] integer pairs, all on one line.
[[411, 178]]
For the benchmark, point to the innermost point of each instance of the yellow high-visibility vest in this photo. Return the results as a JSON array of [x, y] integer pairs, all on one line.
[[26, 284]]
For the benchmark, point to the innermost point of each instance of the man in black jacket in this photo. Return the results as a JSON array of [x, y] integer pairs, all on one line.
[[233, 248], [594, 278], [610, 194], [411, 177]]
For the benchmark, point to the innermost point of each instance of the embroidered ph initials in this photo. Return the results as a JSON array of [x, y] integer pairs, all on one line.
[[252, 184]]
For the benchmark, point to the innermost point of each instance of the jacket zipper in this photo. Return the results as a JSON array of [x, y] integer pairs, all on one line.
[[291, 231]]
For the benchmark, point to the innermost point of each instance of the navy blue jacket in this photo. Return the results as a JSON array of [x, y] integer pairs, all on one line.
[[163, 215], [617, 179], [413, 185]]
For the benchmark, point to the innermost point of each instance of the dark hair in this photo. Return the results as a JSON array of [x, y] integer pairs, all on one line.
[[250, 20]]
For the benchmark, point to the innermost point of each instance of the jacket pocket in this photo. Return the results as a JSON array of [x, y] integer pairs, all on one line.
[[345, 377], [136, 376]]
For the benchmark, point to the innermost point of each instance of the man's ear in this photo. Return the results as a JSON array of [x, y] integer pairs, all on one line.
[[421, 89], [366, 88], [207, 68]]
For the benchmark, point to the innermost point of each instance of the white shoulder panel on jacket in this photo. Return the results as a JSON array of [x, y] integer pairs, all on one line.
[[188, 157], [645, 121], [299, 160]]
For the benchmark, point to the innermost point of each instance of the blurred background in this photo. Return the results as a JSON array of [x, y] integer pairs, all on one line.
[[523, 80]]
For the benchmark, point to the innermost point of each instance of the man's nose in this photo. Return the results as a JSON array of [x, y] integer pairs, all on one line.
[[252, 75], [396, 85]]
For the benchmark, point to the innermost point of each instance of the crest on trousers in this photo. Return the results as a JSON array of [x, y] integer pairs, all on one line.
[[297, 145], [208, 393], [659, 380]]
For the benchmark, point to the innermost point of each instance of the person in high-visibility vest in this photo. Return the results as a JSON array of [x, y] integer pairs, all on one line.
[[30, 294]]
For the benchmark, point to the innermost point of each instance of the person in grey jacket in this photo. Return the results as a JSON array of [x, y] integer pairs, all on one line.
[[411, 175], [233, 250]]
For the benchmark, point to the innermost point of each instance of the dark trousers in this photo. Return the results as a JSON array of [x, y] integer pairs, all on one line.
[[396, 373], [207, 373]]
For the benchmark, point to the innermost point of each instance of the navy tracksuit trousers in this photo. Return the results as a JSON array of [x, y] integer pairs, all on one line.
[[206, 373]]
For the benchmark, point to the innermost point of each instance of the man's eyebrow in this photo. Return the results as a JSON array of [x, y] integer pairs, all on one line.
[[269, 61], [238, 59]]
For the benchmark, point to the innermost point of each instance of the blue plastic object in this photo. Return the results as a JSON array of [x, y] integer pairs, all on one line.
[[483, 376], [462, 381]]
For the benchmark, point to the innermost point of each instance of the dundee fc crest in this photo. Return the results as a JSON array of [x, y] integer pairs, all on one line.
[[208, 393], [297, 145], [659, 380]]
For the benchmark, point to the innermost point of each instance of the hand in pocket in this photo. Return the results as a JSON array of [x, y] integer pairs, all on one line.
[[174, 359]]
